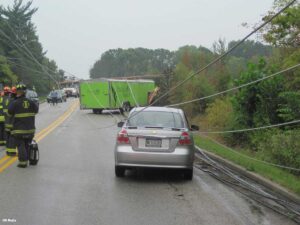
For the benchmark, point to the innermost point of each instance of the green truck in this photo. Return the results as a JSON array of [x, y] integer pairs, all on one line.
[[100, 94]]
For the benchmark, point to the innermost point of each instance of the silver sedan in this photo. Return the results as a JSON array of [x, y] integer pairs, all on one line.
[[155, 137]]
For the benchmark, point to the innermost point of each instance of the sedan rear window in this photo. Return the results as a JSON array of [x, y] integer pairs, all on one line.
[[156, 119], [31, 94]]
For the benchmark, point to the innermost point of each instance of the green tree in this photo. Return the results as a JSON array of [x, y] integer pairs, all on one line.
[[6, 75], [284, 30], [256, 105]]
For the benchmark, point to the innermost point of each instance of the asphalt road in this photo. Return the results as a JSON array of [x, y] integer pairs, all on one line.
[[74, 183]]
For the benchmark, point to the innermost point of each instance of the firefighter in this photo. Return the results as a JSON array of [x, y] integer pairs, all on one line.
[[23, 110], [2, 135], [10, 142]]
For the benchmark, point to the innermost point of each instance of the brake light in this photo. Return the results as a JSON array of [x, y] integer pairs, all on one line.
[[123, 137], [185, 139]]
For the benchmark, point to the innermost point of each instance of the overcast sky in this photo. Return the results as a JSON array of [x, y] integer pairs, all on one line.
[[76, 32]]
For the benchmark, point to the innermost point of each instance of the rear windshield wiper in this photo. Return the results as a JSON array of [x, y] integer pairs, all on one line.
[[131, 127], [154, 127], [176, 129], [168, 128]]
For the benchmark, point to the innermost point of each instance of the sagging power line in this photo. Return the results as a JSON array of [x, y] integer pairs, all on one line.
[[236, 88], [254, 159], [25, 67], [250, 129], [26, 51]]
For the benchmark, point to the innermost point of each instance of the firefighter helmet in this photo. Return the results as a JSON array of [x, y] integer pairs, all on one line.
[[6, 89], [13, 90]]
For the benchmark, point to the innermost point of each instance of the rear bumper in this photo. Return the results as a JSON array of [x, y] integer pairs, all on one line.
[[181, 158]]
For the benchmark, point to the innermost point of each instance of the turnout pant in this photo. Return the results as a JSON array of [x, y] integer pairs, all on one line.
[[23, 147], [2, 134], [10, 143]]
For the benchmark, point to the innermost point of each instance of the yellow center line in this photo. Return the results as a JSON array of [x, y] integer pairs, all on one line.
[[52, 126], [4, 159], [41, 135], [62, 117], [6, 165], [56, 123]]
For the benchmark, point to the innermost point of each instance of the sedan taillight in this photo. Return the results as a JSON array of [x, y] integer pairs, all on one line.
[[185, 139], [123, 137]]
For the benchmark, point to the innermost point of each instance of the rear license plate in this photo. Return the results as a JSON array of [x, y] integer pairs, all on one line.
[[156, 143]]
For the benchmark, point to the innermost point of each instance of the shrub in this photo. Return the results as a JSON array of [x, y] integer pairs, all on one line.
[[219, 114], [282, 147], [220, 117]]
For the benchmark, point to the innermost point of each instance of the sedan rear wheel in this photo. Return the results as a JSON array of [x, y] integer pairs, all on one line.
[[188, 174], [119, 171]]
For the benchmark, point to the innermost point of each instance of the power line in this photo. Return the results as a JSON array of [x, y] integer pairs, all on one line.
[[249, 129], [97, 100], [50, 70], [36, 71], [139, 76], [118, 98], [26, 67], [235, 88], [99, 128], [28, 53], [31, 54], [18, 47], [70, 73], [218, 58], [132, 94], [254, 159], [239, 182]]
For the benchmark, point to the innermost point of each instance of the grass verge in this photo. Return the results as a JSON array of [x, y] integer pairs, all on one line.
[[277, 175]]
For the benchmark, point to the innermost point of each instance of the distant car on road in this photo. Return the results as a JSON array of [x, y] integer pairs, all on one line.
[[155, 137], [63, 94], [71, 92], [33, 96], [56, 94]]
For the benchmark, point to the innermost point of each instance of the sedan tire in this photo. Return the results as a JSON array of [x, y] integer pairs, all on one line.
[[119, 171], [188, 174]]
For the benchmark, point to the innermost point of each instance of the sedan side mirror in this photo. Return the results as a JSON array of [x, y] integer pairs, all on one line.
[[194, 128], [120, 124]]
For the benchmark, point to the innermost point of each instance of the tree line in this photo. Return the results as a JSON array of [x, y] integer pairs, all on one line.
[[140, 61], [22, 57]]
